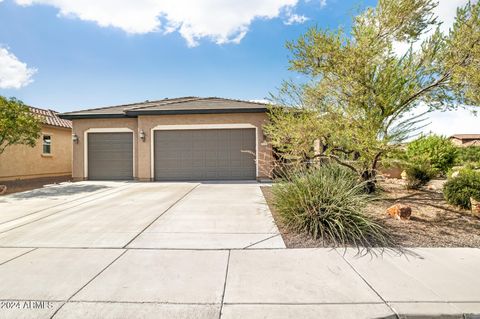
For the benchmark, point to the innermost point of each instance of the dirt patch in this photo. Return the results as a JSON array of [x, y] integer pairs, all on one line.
[[434, 223], [17, 186]]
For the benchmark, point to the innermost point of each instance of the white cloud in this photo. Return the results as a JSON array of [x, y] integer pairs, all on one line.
[[323, 3], [223, 21], [446, 12], [453, 122], [14, 74], [459, 121], [295, 19], [263, 101]]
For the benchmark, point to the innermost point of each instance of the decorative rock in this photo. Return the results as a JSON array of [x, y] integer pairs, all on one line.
[[400, 211], [475, 207], [3, 189]]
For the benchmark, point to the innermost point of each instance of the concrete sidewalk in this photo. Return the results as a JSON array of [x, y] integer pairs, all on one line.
[[261, 283]]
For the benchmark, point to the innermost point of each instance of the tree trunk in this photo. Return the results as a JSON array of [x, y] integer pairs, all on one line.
[[369, 177]]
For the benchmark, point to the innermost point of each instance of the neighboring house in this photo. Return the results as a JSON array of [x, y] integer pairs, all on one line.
[[187, 138], [465, 140], [52, 156]]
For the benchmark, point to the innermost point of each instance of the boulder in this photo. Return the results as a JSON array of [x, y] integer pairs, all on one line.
[[3, 189], [400, 211], [475, 207]]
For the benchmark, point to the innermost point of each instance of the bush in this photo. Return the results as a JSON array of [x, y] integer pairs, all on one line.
[[419, 175], [468, 155], [458, 190], [437, 151], [328, 203]]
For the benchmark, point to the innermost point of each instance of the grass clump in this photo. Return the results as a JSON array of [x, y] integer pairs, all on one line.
[[418, 175], [328, 203]]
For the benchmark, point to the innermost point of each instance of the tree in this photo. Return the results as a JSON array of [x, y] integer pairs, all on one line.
[[360, 93], [17, 124]]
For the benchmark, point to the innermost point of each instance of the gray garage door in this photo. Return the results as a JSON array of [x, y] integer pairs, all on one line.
[[110, 156], [227, 154]]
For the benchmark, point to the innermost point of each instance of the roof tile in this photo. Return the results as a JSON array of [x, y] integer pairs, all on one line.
[[50, 117]]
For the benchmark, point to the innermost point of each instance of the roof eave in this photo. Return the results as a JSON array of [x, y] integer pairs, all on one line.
[[91, 116], [202, 111]]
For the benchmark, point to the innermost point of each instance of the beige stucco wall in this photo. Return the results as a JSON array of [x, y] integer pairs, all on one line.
[[143, 150], [24, 162]]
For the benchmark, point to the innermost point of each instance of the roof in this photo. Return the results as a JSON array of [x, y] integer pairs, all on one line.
[[182, 105], [50, 117], [466, 136]]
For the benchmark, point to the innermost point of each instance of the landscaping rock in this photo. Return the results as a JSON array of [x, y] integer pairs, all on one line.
[[3, 189], [475, 207], [400, 211]]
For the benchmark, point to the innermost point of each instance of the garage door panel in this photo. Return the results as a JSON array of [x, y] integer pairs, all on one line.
[[110, 156], [217, 154]]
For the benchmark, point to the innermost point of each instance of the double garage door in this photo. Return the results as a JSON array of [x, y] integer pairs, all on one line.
[[179, 155]]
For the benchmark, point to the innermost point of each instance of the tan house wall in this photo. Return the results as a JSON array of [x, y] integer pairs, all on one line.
[[142, 154], [24, 162]]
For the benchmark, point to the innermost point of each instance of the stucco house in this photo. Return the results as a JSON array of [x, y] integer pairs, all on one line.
[[188, 138], [52, 156], [466, 140]]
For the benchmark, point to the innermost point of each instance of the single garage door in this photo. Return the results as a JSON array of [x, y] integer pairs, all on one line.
[[110, 156], [211, 154]]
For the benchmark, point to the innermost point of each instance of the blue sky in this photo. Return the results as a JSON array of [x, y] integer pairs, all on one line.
[[69, 55]]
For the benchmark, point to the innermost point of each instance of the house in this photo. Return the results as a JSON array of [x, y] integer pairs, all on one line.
[[52, 156], [188, 138], [465, 140]]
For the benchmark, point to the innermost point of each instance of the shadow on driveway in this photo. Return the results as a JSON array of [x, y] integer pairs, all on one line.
[[63, 190]]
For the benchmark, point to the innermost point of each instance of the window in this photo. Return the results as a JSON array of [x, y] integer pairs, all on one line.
[[47, 144]]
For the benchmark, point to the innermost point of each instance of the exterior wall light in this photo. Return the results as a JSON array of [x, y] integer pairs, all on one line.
[[75, 138], [142, 135]]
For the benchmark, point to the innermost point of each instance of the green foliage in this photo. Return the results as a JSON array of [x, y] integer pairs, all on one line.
[[419, 174], [17, 124], [462, 56], [359, 94], [458, 190], [328, 203], [468, 155], [435, 151]]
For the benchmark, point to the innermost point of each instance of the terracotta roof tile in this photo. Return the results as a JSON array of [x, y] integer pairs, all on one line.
[[50, 117]]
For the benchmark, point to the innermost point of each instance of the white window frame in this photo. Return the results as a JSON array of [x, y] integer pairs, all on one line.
[[198, 127], [51, 144], [106, 130]]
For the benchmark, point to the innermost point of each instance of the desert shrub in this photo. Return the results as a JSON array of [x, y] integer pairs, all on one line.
[[458, 190], [419, 174], [437, 151], [468, 155], [328, 203]]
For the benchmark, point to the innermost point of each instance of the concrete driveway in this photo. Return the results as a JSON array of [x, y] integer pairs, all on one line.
[[203, 251], [139, 215]]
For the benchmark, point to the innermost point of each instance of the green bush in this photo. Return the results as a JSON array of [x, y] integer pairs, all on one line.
[[328, 203], [458, 190], [418, 175], [468, 155], [437, 151]]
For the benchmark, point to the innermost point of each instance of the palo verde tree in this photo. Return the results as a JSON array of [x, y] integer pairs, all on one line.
[[360, 92], [17, 124]]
